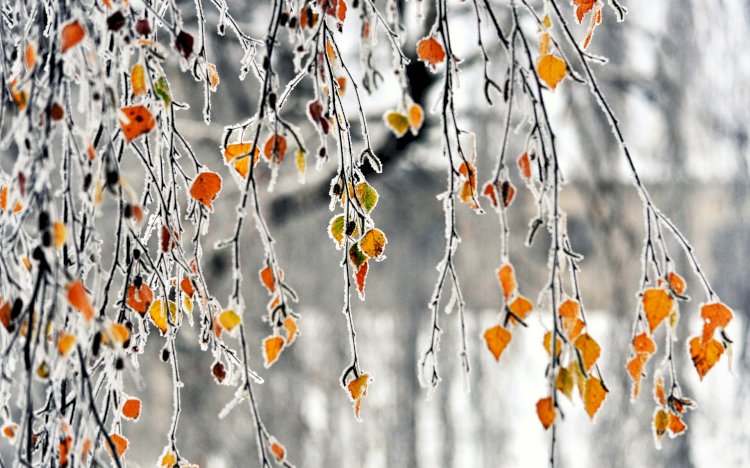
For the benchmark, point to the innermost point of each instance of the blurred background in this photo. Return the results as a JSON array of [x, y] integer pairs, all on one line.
[[679, 82]]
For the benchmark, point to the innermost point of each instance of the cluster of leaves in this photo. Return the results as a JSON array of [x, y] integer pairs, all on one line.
[[572, 350]]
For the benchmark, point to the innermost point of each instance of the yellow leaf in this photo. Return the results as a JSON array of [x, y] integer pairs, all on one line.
[[59, 234], [301, 160], [158, 314], [397, 122], [551, 70], [138, 79], [373, 243], [661, 422], [229, 319]]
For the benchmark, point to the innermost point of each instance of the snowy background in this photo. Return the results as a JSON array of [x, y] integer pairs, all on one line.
[[679, 81]]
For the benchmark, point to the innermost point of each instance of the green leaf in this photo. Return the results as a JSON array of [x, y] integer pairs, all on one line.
[[161, 88], [367, 196], [356, 255], [336, 229]]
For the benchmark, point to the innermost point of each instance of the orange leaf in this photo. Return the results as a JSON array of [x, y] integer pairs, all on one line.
[[168, 458], [507, 193], [361, 277], [676, 425], [594, 395], [187, 286], [138, 121], [497, 339], [276, 448], [659, 389], [290, 325], [469, 172], [468, 195], [569, 309], [120, 443], [267, 278], [119, 333], [341, 10], [358, 390], [489, 191], [521, 308], [657, 304], [205, 188], [65, 342], [272, 347], [714, 315], [551, 70], [240, 154], [430, 51], [572, 325], [5, 310], [416, 118], [275, 148], [373, 243], [59, 234], [131, 409], [677, 283], [72, 34], [78, 298], [139, 299], [644, 344], [9, 431], [545, 409], [589, 349], [30, 55], [524, 164], [583, 7], [635, 370], [705, 355], [213, 76], [507, 279]]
